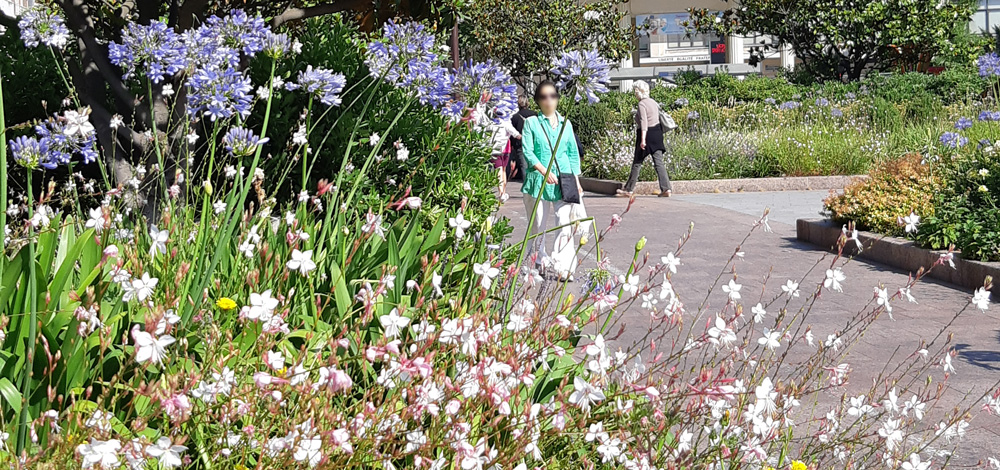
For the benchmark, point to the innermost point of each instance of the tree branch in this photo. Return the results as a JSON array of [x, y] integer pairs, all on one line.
[[294, 14]]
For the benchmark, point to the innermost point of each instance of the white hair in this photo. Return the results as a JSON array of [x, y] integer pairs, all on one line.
[[641, 88]]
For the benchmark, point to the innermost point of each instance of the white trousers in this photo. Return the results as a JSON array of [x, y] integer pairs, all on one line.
[[563, 257]]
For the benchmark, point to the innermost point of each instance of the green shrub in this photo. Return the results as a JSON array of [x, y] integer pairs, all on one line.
[[893, 190], [967, 209]]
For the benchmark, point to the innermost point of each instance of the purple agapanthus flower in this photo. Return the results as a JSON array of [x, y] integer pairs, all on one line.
[[585, 73], [239, 31], [681, 102], [242, 142], [989, 116], [989, 65], [963, 123], [787, 105], [822, 102], [155, 51], [771, 101], [29, 152], [405, 59], [836, 112], [277, 46], [322, 83], [40, 25], [693, 116], [483, 85], [953, 140], [57, 141], [219, 93]]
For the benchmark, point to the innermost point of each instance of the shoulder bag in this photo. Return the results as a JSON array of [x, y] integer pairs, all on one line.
[[567, 181]]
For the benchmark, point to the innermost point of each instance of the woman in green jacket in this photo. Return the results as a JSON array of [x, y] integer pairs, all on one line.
[[541, 184]]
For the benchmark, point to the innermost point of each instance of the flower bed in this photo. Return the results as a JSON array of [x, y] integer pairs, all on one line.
[[374, 316]]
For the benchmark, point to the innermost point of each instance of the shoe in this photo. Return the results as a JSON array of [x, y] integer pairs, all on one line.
[[623, 193], [504, 197], [665, 193]]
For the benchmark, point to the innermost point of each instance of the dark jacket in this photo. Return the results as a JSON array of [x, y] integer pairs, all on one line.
[[516, 147]]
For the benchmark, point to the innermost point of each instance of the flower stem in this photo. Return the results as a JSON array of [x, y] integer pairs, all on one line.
[[32, 298]]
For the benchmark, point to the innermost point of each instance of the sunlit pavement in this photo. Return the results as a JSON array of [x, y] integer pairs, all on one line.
[[721, 221]]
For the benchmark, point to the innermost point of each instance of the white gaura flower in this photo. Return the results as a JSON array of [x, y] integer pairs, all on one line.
[[116, 121], [374, 139], [910, 222], [882, 298], [629, 284], [905, 292], [891, 432], [891, 404], [373, 225], [853, 236], [309, 449], [487, 272], [914, 405], [981, 299], [301, 261], [262, 306], [671, 262], [96, 220], [771, 339], [584, 394], [459, 224], [192, 138], [766, 395], [833, 279], [100, 420], [915, 464], [168, 454], [300, 137], [758, 313], [100, 454], [78, 123], [140, 289], [721, 334], [733, 289], [167, 90], [158, 240], [149, 347], [858, 407], [393, 323], [436, 284], [791, 288]]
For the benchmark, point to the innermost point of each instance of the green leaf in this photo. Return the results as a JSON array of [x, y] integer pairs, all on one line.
[[11, 396]]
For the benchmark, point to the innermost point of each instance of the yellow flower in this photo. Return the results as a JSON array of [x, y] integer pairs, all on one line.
[[240, 467], [799, 465], [225, 303]]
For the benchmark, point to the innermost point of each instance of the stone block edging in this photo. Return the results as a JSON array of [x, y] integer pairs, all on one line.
[[789, 183], [901, 254]]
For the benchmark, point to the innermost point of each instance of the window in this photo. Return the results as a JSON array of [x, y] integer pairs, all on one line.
[[986, 17], [663, 37]]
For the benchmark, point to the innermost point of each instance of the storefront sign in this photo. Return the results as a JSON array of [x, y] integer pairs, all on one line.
[[718, 52]]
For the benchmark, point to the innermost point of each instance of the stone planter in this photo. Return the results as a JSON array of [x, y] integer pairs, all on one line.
[[791, 183], [900, 254]]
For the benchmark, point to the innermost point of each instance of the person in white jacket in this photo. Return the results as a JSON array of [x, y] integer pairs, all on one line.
[[501, 133]]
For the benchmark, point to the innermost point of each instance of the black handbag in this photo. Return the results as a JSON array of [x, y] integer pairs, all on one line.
[[567, 181]]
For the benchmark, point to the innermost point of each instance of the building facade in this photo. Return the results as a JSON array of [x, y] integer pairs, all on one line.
[[664, 46], [15, 7]]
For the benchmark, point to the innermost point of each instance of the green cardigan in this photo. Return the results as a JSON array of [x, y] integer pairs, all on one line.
[[537, 150]]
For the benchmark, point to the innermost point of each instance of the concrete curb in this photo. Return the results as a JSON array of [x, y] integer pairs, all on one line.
[[900, 254], [790, 183]]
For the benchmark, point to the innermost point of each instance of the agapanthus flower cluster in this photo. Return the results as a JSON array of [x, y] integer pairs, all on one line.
[[219, 93], [989, 116], [989, 65], [238, 31], [322, 83], [155, 51], [788, 105], [57, 141], [953, 140], [40, 25], [585, 73], [963, 123], [485, 86], [242, 142], [405, 58], [822, 102]]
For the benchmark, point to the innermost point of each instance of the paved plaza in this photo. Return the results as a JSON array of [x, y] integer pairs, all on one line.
[[721, 221]]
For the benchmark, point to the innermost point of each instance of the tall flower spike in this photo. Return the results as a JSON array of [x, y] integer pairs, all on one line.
[[242, 142], [585, 73]]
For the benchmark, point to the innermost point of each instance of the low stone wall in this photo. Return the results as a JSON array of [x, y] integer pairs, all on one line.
[[900, 254], [791, 183]]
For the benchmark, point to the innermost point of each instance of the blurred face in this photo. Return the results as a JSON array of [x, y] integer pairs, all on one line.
[[548, 99]]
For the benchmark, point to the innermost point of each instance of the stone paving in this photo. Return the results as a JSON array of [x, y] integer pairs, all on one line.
[[720, 223]]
